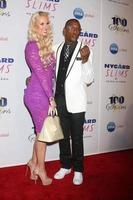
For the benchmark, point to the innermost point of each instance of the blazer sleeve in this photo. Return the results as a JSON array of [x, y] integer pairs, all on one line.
[[87, 70]]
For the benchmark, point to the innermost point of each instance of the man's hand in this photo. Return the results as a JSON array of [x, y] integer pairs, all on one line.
[[85, 52], [27, 80]]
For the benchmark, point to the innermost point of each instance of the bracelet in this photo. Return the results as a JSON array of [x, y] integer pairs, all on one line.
[[51, 99]]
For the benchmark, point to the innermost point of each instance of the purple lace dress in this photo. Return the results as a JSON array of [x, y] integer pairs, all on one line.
[[40, 86]]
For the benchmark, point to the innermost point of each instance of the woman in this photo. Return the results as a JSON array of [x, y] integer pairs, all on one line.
[[38, 96]]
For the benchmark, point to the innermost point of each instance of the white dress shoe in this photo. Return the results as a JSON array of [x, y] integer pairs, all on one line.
[[61, 173], [78, 178]]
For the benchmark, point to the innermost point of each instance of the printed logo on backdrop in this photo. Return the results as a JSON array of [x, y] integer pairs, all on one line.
[[4, 109], [112, 126], [116, 73], [89, 126], [3, 8], [119, 24], [89, 102], [6, 65], [3, 39], [88, 38], [43, 5], [116, 103], [114, 49], [119, 2], [32, 136], [78, 13], [2, 134]]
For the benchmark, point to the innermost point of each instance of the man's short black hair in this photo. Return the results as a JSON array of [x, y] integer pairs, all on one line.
[[68, 22]]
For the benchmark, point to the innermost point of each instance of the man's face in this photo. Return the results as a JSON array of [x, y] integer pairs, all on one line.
[[72, 31]]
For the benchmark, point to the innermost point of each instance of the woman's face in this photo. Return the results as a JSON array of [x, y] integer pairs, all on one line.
[[41, 25]]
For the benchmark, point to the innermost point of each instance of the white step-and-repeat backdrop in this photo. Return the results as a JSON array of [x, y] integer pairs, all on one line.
[[107, 29]]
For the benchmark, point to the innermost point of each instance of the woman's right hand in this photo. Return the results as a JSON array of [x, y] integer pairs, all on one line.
[[52, 102], [52, 106], [27, 80]]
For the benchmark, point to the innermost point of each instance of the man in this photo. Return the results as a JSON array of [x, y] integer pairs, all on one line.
[[73, 72]]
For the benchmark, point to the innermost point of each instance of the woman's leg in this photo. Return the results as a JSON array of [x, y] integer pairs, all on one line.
[[40, 149], [34, 156], [32, 163]]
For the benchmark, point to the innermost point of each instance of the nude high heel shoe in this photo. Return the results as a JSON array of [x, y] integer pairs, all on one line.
[[31, 167], [44, 178]]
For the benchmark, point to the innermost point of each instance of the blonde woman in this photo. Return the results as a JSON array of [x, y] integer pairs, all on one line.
[[38, 96]]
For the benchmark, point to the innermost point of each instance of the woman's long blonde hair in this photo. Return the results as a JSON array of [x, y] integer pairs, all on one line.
[[44, 43]]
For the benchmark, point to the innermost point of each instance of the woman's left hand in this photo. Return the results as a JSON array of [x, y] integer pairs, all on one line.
[[52, 102]]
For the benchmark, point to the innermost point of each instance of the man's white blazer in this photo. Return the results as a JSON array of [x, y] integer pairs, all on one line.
[[77, 77]]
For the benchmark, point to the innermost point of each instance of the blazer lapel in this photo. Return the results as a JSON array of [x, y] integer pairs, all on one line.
[[58, 53], [75, 53]]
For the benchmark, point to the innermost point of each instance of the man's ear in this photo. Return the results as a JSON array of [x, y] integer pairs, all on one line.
[[64, 31]]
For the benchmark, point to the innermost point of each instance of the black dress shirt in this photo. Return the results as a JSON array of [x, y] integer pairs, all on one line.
[[63, 66]]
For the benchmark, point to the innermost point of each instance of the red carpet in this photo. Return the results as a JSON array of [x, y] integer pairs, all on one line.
[[107, 177]]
